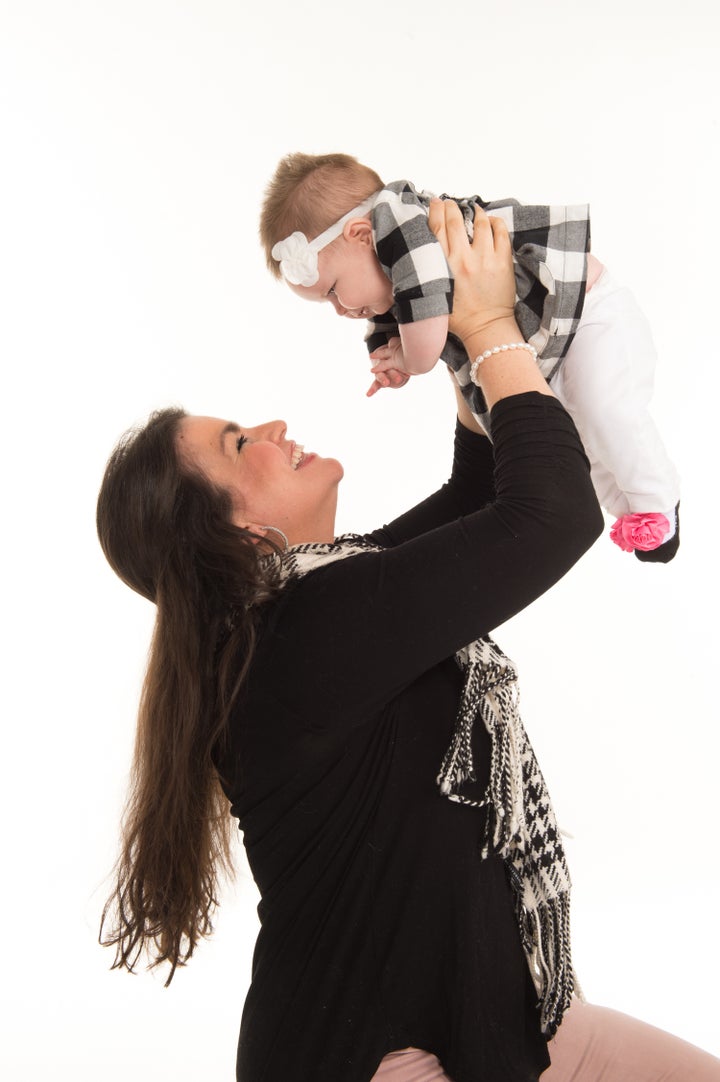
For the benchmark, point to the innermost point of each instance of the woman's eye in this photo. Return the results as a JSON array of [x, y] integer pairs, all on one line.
[[240, 443]]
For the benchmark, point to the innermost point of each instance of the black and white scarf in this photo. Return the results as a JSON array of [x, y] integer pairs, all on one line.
[[521, 823]]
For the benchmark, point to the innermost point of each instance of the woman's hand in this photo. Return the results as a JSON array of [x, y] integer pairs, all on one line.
[[483, 268], [484, 300]]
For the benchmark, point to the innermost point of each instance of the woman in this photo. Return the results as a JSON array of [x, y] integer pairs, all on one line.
[[362, 726]]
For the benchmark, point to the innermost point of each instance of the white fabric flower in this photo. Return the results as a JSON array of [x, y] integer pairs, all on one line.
[[298, 256], [298, 260]]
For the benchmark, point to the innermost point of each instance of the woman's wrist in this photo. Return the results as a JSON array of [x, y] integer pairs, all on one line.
[[488, 335], [507, 372]]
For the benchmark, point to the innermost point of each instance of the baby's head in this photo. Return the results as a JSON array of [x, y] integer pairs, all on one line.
[[316, 232]]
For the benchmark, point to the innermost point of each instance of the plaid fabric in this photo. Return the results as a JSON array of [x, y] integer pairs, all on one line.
[[550, 246]]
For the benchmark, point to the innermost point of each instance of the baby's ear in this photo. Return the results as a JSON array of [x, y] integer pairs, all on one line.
[[358, 231]]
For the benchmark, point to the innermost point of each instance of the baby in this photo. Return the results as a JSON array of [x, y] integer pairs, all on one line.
[[336, 233]]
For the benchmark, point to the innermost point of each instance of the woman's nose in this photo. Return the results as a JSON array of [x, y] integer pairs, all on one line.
[[271, 430]]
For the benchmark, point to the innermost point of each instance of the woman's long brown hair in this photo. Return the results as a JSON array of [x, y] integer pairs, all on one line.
[[168, 534]]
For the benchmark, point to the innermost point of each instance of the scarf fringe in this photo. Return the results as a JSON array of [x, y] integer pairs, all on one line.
[[521, 826], [545, 932]]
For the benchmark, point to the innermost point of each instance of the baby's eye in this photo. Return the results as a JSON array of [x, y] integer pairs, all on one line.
[[240, 443], [331, 291]]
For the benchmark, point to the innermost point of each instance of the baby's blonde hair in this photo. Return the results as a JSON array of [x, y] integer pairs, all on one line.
[[308, 193]]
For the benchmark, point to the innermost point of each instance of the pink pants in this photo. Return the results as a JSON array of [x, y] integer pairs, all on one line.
[[594, 1044]]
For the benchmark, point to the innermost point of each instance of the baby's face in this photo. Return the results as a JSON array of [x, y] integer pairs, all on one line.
[[351, 279]]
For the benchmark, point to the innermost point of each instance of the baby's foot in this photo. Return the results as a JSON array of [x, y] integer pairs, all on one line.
[[653, 537]]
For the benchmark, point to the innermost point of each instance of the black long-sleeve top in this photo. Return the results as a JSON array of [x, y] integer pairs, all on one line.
[[381, 926]]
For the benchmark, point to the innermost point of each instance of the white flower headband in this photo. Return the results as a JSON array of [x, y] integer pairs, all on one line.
[[298, 256]]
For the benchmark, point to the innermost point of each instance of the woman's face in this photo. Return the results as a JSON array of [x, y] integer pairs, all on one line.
[[271, 479]]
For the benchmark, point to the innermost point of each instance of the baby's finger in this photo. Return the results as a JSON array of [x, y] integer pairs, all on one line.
[[381, 376], [386, 366]]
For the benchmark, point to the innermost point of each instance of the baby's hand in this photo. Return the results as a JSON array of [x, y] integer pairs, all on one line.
[[391, 352], [388, 368], [390, 377]]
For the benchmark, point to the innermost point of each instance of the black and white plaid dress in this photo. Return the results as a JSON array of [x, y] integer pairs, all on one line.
[[550, 246]]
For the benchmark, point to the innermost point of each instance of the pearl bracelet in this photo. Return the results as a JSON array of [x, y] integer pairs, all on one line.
[[500, 349]]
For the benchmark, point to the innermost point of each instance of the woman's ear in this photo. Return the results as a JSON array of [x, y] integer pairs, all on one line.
[[266, 534], [259, 532], [358, 231]]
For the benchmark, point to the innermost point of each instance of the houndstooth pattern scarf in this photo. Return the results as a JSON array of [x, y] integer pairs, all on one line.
[[521, 823]]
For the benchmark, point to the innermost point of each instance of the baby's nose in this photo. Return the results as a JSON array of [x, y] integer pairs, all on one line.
[[339, 309]]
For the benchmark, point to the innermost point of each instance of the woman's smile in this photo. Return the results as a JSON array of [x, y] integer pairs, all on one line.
[[251, 463]]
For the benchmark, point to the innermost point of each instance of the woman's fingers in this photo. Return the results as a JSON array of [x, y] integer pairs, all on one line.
[[448, 224], [501, 237], [483, 242], [484, 282], [490, 235], [455, 227], [436, 221]]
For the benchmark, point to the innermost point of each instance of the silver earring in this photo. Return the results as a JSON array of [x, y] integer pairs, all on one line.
[[275, 529]]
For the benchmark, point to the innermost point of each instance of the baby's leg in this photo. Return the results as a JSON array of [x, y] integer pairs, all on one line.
[[605, 382], [595, 1044]]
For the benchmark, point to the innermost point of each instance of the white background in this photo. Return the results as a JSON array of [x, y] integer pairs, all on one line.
[[136, 140]]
